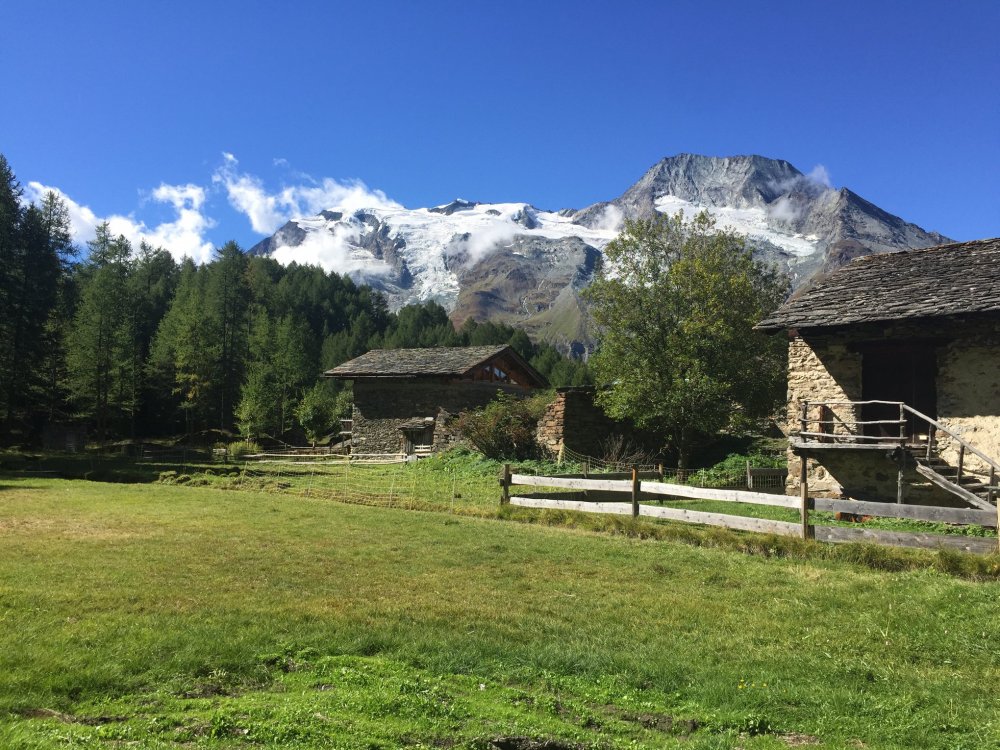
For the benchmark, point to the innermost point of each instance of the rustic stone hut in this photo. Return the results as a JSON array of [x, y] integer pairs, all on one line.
[[894, 377], [405, 399], [574, 422]]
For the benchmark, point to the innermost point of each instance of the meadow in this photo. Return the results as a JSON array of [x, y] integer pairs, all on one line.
[[163, 615]]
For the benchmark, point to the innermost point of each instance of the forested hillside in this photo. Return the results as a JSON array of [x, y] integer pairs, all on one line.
[[135, 344]]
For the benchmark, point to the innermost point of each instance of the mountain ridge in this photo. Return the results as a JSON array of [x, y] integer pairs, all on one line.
[[515, 263]]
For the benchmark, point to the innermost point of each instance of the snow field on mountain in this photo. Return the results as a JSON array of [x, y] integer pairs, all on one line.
[[753, 222]]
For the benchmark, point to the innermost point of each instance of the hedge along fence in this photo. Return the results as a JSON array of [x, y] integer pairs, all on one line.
[[637, 489]]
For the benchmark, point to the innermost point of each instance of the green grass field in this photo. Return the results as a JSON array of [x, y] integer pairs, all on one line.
[[170, 616]]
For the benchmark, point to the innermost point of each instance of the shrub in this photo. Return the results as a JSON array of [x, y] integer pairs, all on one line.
[[242, 448], [505, 428]]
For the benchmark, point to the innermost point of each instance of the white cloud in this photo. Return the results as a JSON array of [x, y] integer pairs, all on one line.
[[332, 251], [611, 219], [184, 236], [820, 176], [267, 211]]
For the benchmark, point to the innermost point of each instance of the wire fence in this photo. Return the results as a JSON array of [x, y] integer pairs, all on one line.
[[765, 478]]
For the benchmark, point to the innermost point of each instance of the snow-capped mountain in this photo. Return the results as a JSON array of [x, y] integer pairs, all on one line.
[[519, 264]]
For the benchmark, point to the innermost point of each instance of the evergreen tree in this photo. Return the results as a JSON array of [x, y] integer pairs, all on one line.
[[31, 270], [101, 344]]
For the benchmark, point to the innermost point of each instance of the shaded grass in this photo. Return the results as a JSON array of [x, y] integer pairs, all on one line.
[[189, 615]]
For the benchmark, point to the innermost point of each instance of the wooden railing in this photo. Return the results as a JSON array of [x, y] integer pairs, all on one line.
[[935, 427], [851, 434], [635, 490]]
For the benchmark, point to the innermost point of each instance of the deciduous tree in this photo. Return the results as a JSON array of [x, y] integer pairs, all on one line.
[[675, 304]]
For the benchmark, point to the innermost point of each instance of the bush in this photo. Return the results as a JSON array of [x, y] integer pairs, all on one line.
[[242, 448], [505, 428]]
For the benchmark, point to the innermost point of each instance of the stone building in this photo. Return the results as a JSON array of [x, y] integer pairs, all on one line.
[[894, 377], [573, 421], [405, 400]]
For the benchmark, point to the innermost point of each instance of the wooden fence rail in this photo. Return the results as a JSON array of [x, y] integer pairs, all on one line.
[[636, 489]]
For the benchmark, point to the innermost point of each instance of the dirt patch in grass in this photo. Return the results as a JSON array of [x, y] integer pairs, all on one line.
[[530, 743]]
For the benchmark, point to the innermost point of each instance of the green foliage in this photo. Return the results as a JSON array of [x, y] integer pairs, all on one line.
[[674, 306], [135, 344], [506, 427], [34, 252], [241, 448], [321, 408]]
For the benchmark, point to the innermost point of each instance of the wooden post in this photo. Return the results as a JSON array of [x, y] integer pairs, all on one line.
[[902, 425], [659, 471], [505, 485], [900, 480], [804, 418], [804, 494], [930, 441], [961, 460], [635, 492], [749, 477]]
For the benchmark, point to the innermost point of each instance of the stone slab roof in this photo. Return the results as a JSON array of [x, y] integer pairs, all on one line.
[[455, 361], [955, 279]]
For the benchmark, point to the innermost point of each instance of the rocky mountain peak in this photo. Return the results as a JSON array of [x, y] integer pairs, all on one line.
[[519, 264]]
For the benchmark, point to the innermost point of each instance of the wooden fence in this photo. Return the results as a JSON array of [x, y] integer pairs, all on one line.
[[638, 489]]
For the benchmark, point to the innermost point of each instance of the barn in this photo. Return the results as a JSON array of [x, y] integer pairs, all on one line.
[[405, 400], [894, 377]]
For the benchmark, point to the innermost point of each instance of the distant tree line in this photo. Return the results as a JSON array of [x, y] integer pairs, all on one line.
[[137, 344]]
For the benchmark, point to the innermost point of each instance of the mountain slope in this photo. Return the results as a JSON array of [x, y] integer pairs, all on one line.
[[515, 263]]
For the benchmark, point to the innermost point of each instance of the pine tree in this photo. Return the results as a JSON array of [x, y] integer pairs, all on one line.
[[100, 346]]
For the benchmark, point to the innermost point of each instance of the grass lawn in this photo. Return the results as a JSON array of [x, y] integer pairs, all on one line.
[[164, 616]]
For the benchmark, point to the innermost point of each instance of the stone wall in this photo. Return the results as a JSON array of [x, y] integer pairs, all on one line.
[[573, 420], [383, 406], [828, 368], [819, 370], [969, 396]]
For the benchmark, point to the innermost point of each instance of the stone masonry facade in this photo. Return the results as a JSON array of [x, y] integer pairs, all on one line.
[[824, 368], [573, 420], [383, 407]]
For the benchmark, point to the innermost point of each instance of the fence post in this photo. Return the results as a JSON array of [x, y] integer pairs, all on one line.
[[659, 471], [807, 531], [804, 419], [505, 485], [635, 492], [749, 477]]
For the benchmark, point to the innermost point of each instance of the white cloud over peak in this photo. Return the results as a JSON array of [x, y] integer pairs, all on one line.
[[267, 211], [183, 236]]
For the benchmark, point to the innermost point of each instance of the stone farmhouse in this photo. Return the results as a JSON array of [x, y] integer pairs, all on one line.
[[405, 400], [894, 378]]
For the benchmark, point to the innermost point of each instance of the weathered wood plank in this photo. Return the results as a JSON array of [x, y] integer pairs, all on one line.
[[762, 525], [915, 512], [608, 485], [905, 539], [732, 496], [584, 506]]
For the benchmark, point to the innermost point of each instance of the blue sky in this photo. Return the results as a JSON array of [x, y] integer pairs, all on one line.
[[129, 108]]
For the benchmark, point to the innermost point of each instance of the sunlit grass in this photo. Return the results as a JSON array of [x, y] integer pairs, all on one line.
[[209, 617]]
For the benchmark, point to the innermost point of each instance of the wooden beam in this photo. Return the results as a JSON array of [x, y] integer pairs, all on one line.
[[743, 523], [635, 492], [731, 496], [977, 545], [804, 504], [930, 513], [572, 484], [583, 506]]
